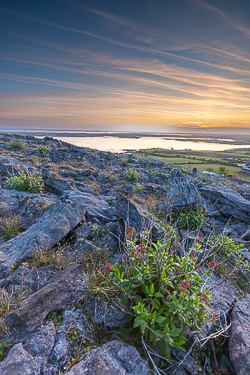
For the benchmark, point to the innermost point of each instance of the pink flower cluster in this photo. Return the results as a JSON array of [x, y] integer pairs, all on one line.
[[212, 263], [184, 285], [109, 267], [141, 248], [204, 297]]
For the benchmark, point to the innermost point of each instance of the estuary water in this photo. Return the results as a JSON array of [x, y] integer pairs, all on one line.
[[118, 144]]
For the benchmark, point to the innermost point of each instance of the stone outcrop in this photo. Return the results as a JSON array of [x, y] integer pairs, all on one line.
[[239, 341], [228, 202], [182, 193], [113, 358], [58, 220], [65, 289]]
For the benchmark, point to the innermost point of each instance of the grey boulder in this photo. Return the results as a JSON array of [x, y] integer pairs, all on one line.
[[113, 358], [65, 289], [239, 341], [228, 202], [182, 193], [57, 221]]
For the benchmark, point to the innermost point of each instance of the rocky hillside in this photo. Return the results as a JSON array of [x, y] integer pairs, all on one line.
[[113, 265]]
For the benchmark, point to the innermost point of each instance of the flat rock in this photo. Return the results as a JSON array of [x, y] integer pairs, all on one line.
[[57, 221], [65, 289], [239, 341], [228, 202], [113, 358]]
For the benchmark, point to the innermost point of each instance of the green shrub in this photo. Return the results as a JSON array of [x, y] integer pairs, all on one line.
[[162, 292], [16, 145], [138, 188], [43, 150], [26, 182], [191, 218], [132, 175]]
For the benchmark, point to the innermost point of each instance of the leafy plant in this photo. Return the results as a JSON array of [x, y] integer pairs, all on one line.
[[4, 346], [95, 229], [26, 182], [138, 188], [191, 218], [16, 145], [132, 175], [10, 226], [162, 292], [43, 150]]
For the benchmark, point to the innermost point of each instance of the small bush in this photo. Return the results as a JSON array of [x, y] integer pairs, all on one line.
[[132, 175], [26, 182], [10, 226], [162, 292], [138, 188], [191, 218], [43, 150], [16, 145]]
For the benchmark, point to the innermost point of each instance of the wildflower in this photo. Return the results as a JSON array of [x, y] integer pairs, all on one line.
[[141, 248], [192, 254], [201, 236], [212, 263], [109, 267], [130, 230], [204, 297], [216, 317], [137, 255], [184, 285]]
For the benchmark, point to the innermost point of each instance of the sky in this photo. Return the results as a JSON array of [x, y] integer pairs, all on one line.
[[141, 65]]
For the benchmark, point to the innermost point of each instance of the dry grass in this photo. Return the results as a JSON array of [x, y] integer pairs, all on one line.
[[9, 301], [10, 226], [56, 257]]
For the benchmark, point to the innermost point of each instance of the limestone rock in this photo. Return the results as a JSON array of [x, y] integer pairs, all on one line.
[[65, 289], [239, 341], [228, 202], [113, 358]]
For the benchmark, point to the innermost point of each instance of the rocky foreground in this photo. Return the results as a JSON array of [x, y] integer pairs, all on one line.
[[54, 242]]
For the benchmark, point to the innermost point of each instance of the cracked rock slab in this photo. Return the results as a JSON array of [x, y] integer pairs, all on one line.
[[65, 289], [58, 220]]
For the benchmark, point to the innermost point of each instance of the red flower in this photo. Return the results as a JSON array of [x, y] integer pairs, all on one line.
[[137, 255], [141, 248], [201, 235], [109, 267], [192, 254], [216, 317], [130, 230], [212, 263], [204, 297], [184, 285]]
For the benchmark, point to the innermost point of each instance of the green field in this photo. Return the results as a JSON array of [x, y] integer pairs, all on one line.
[[202, 160]]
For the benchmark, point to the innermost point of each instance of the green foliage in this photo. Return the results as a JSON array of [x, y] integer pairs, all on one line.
[[4, 346], [162, 292], [191, 218], [124, 161], [95, 229], [26, 182], [56, 317], [43, 150], [16, 145], [138, 188], [132, 175]]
